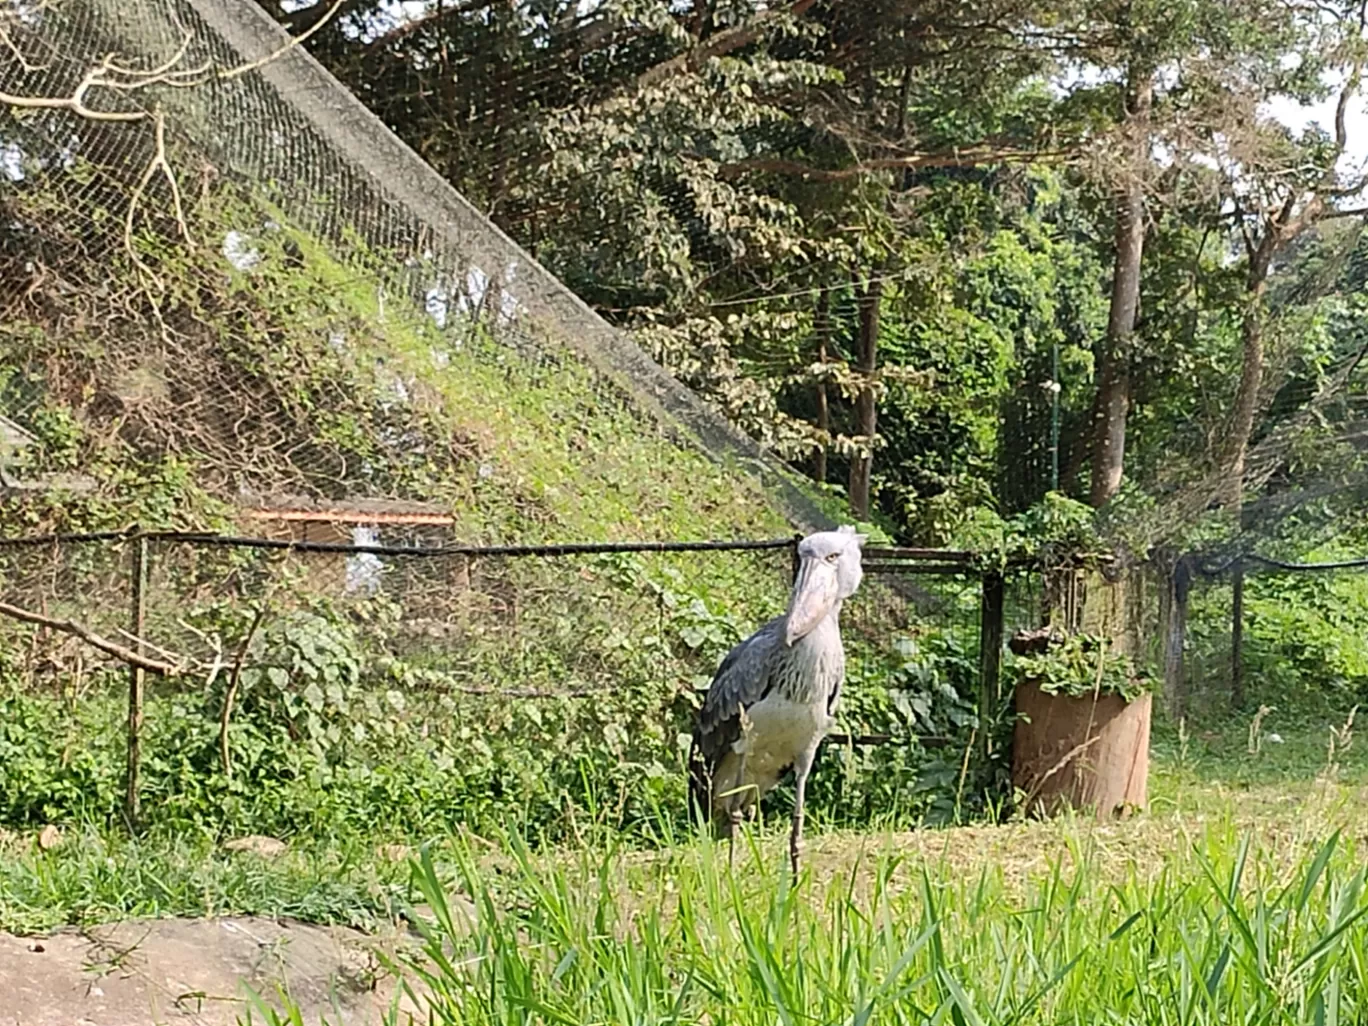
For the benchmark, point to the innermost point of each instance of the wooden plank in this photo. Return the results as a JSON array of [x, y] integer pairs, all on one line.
[[341, 516]]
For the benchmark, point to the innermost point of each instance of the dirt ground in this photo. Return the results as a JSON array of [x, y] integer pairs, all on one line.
[[190, 971]]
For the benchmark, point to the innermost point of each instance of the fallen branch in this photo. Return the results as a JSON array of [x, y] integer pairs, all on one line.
[[83, 632], [172, 656]]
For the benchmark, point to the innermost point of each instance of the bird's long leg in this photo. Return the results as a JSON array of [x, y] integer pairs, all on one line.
[[735, 808], [801, 767]]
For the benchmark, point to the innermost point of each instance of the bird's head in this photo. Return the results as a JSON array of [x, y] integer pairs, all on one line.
[[828, 571]]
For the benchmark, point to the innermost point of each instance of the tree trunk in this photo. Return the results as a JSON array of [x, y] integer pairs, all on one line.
[[1246, 402], [822, 328], [1278, 230], [1114, 385], [866, 413]]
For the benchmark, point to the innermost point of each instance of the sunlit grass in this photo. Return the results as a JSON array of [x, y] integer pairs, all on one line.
[[94, 877], [1227, 925], [1228, 903]]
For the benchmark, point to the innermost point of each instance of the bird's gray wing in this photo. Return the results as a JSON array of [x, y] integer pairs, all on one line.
[[743, 678]]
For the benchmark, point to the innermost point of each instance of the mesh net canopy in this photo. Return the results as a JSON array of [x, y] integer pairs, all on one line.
[[234, 302], [215, 259], [232, 299]]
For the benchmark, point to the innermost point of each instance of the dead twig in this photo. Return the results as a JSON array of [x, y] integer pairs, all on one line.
[[229, 696], [110, 75], [213, 642], [172, 656], [83, 632], [242, 69], [159, 162], [1069, 756]]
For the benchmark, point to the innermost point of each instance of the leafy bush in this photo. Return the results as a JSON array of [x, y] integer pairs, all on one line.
[[346, 723], [1078, 665]]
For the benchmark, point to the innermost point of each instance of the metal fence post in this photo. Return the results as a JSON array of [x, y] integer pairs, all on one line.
[[992, 613], [136, 678]]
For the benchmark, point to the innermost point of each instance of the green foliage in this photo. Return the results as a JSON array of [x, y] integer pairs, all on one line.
[[727, 181], [348, 716], [102, 876], [1056, 530], [1079, 665], [1304, 640], [1058, 527], [335, 393]]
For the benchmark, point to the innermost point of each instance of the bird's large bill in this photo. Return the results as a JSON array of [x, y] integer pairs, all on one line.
[[814, 595]]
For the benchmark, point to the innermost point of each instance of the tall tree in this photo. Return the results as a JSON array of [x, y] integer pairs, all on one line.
[[1112, 404], [866, 409]]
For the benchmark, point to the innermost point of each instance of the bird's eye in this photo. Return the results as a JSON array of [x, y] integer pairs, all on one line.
[[833, 557]]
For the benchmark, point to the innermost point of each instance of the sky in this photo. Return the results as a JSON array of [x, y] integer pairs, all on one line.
[[1297, 117]]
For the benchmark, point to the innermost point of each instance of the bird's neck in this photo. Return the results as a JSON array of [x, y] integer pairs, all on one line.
[[829, 623]]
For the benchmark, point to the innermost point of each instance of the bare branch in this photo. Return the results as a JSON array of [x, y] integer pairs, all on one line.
[[972, 157], [720, 45], [159, 162], [9, 44], [111, 75], [1330, 215], [233, 681], [90, 638], [242, 69]]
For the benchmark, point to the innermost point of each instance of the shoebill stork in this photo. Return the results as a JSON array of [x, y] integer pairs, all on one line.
[[774, 696]]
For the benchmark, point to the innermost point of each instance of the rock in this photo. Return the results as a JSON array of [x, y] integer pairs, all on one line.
[[49, 837], [182, 972], [266, 847]]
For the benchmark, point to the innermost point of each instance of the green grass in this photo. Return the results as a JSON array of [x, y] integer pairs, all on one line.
[[1238, 898], [1227, 930], [1217, 759], [94, 877]]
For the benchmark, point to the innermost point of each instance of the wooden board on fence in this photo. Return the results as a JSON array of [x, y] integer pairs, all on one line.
[[1081, 753]]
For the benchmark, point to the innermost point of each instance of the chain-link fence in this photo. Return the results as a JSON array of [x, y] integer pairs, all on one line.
[[196, 664], [1231, 631]]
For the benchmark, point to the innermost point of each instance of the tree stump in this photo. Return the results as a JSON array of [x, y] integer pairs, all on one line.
[[1082, 753]]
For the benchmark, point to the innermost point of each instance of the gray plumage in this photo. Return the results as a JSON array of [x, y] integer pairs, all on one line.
[[774, 696]]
